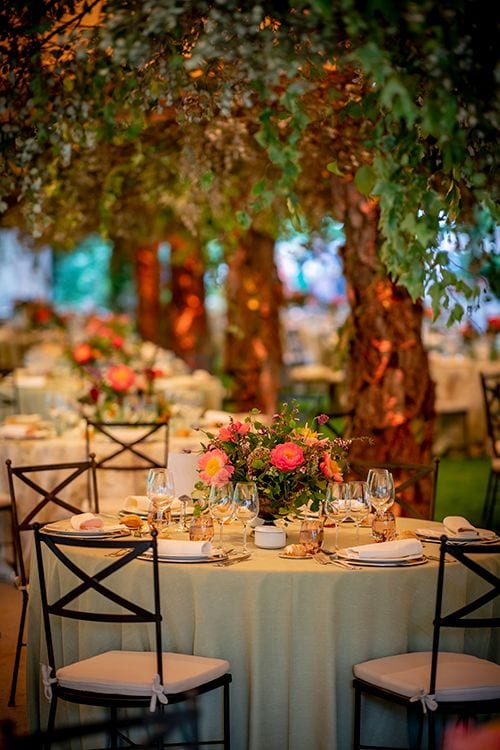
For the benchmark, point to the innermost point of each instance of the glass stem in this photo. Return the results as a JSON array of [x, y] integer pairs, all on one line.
[[244, 537], [336, 536], [221, 527]]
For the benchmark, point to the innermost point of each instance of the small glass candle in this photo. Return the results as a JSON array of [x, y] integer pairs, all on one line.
[[201, 528], [384, 527]]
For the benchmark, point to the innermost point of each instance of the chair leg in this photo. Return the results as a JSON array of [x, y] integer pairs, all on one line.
[[356, 741], [50, 722], [227, 728], [19, 645]]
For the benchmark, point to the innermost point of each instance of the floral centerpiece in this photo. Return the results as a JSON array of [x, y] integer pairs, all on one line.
[[118, 372], [38, 314], [291, 463]]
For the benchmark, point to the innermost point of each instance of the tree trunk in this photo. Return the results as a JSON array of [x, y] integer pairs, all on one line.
[[148, 291], [190, 336], [388, 380], [253, 352]]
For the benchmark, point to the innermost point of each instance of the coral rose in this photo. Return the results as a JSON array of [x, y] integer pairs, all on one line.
[[287, 456], [120, 377], [214, 467], [83, 353], [232, 430]]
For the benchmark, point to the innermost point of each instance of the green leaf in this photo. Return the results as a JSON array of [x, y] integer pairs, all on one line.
[[243, 219], [333, 167], [365, 179]]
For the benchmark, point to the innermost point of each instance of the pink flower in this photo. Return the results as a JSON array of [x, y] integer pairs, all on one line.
[[287, 456], [330, 468], [214, 467], [120, 377], [484, 737], [231, 431]]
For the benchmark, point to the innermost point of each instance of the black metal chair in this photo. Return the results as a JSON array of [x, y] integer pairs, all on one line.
[[491, 394], [438, 682], [126, 447], [410, 482], [118, 679], [45, 500]]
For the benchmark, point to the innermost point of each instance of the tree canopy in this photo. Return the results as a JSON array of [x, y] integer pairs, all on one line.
[[120, 112]]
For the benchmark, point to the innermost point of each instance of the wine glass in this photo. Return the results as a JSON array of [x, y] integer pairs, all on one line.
[[360, 504], [221, 504], [380, 489], [246, 500], [337, 505], [160, 491]]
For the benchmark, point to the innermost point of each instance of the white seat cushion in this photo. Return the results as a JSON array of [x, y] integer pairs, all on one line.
[[459, 676], [132, 672]]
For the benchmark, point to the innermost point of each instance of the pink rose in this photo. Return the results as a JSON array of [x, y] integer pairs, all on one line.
[[287, 456], [214, 467], [83, 353], [232, 430]]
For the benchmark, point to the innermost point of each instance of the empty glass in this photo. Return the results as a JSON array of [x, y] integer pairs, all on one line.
[[360, 504], [246, 501], [221, 504], [161, 492], [380, 489], [337, 505]]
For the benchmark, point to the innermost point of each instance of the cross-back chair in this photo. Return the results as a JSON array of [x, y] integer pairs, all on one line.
[[491, 395], [37, 493], [415, 485], [116, 678], [126, 447], [439, 682]]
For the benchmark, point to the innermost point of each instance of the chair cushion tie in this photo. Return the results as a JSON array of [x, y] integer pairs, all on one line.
[[158, 694], [427, 701], [47, 681]]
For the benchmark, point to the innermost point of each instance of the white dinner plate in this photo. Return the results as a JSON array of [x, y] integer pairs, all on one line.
[[65, 528], [434, 536], [295, 557], [183, 559], [393, 563], [343, 555], [175, 512]]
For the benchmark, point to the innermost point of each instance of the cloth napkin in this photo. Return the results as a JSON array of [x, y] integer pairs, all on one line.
[[460, 526], [181, 548], [137, 503], [86, 521], [397, 549]]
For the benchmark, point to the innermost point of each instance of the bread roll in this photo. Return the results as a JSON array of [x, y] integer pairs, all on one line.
[[131, 521]]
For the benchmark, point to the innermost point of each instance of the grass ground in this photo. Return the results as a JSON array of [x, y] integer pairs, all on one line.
[[462, 487]]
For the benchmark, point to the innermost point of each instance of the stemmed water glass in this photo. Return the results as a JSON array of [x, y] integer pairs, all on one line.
[[246, 500], [380, 489], [360, 504], [221, 505], [337, 505], [161, 492]]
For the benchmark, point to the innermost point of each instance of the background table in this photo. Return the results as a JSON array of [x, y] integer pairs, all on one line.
[[292, 630]]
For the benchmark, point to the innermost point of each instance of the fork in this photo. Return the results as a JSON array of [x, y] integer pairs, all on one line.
[[324, 559]]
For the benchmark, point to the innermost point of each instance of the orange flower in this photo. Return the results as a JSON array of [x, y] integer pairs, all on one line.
[[83, 353], [231, 431], [330, 468], [120, 377]]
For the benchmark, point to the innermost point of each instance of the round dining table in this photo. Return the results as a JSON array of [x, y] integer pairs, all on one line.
[[291, 628]]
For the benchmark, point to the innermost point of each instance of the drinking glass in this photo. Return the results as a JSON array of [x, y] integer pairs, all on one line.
[[380, 489], [221, 504], [311, 534], [360, 504], [160, 491], [246, 501], [337, 505]]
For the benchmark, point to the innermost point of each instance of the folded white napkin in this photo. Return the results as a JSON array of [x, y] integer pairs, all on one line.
[[14, 431], [396, 549], [23, 419], [459, 526], [137, 503], [85, 521], [181, 548], [214, 416]]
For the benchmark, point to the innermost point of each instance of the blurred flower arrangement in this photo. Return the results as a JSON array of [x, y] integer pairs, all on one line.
[[38, 314], [291, 463], [118, 372]]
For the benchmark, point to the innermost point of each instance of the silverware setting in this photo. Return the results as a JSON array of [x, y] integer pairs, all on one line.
[[324, 559], [233, 560]]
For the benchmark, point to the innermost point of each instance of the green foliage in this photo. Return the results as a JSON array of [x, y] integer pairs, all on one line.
[[225, 115]]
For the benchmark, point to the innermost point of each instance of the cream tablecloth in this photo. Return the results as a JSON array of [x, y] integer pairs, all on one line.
[[292, 630]]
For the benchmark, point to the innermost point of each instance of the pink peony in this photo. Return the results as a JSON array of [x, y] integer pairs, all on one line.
[[214, 467], [330, 468], [287, 456], [120, 377]]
